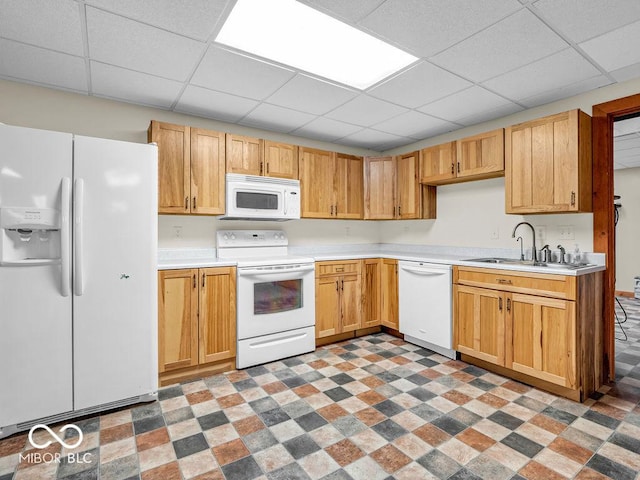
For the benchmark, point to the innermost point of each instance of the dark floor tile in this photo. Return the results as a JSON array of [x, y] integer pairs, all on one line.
[[147, 424], [351, 347], [337, 394], [389, 430], [89, 425], [263, 404], [257, 371], [121, 468], [338, 475], [342, 378], [424, 352], [387, 377], [439, 464], [349, 425], [212, 420], [274, 416], [293, 471], [374, 340], [259, 440], [310, 421], [506, 420], [178, 415], [92, 474], [7, 476], [292, 362], [388, 407], [475, 371], [244, 469], [464, 474], [398, 351], [312, 376], [625, 441], [480, 383], [373, 369], [387, 390], [418, 379], [285, 373], [147, 410], [422, 394], [348, 356], [401, 371], [386, 354], [190, 445], [245, 384], [628, 359], [294, 382], [610, 468], [604, 420], [169, 392], [426, 412], [73, 467], [463, 415], [522, 444], [301, 446], [449, 425], [530, 403], [560, 415]]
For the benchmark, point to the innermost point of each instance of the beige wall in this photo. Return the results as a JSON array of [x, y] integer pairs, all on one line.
[[467, 213], [627, 185]]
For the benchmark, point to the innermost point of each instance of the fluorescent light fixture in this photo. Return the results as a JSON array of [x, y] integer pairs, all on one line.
[[294, 34]]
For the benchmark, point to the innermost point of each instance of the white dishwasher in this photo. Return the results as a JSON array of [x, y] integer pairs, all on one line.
[[424, 291]]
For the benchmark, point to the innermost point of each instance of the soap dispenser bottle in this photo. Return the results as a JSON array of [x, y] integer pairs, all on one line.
[[577, 256]]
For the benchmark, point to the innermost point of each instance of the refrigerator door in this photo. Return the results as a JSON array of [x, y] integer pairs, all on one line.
[[35, 316], [115, 271]]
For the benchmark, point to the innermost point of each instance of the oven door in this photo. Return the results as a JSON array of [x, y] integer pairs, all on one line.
[[275, 298]]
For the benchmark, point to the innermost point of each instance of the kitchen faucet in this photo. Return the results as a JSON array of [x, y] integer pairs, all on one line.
[[534, 253]]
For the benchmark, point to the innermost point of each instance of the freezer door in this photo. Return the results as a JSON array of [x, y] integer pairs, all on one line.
[[35, 316], [115, 271]]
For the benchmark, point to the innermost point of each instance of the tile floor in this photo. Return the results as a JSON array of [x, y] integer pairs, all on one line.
[[370, 408]]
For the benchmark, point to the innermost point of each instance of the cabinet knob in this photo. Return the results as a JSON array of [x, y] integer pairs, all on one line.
[[186, 203], [194, 203]]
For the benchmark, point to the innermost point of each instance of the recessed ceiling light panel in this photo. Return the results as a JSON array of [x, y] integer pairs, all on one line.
[[294, 34]]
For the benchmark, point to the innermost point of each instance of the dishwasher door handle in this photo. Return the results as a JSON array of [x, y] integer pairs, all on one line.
[[424, 271]]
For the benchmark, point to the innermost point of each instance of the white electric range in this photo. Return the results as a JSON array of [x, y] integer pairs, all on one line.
[[275, 296]]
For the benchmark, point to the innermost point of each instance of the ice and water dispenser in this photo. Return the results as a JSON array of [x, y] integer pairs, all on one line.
[[30, 236]]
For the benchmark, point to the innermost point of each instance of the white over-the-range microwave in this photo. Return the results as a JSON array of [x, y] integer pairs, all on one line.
[[250, 197]]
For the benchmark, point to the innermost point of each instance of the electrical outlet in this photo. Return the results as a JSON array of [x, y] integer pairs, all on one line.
[[541, 233], [566, 232], [177, 231], [494, 234]]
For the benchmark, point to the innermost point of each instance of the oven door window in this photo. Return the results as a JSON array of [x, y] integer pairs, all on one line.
[[274, 297], [257, 200]]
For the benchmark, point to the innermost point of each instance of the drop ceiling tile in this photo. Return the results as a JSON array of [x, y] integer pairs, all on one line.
[[512, 43], [192, 18], [415, 125], [279, 119], [583, 19], [351, 11], [615, 49], [545, 75], [207, 103], [626, 73], [118, 41], [24, 62], [374, 140], [365, 111], [53, 24], [471, 101], [130, 86], [309, 95], [426, 27], [237, 74], [326, 129], [566, 91], [490, 114], [421, 84]]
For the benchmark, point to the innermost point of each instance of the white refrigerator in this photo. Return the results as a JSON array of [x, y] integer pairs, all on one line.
[[78, 278]]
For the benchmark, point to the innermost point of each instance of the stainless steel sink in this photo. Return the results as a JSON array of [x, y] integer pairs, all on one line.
[[494, 260], [528, 263]]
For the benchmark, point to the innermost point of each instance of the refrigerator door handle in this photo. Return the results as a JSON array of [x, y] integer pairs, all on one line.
[[65, 228], [78, 199]]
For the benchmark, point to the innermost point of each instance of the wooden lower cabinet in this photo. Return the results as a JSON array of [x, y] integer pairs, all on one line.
[[529, 332], [371, 292], [389, 293], [196, 322], [338, 297]]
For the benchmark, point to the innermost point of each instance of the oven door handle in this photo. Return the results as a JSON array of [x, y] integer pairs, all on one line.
[[267, 271]]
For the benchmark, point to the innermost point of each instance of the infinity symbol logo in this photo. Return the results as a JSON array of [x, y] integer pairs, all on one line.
[[53, 434]]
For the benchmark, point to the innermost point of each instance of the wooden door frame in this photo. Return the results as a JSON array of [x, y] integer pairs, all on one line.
[[604, 115]]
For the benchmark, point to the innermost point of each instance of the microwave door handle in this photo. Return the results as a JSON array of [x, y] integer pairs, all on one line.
[[286, 201]]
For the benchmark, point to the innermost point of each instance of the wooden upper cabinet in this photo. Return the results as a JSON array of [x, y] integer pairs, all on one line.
[[280, 160], [481, 156], [438, 164], [349, 186], [379, 188], [191, 169], [316, 183], [207, 172], [244, 155], [548, 165], [217, 314], [407, 186], [174, 166]]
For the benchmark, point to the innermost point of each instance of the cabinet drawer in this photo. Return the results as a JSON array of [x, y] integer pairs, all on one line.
[[338, 268], [546, 285]]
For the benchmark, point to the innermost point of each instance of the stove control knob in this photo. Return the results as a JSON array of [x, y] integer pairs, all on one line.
[[233, 236], [225, 236]]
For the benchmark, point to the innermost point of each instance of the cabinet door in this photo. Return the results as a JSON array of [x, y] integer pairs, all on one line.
[[349, 187], [390, 293], [174, 175], [548, 164], [327, 306], [438, 164], [542, 340], [481, 156], [479, 323], [316, 183], [207, 172], [177, 319], [371, 292], [244, 155], [407, 186], [379, 188], [351, 292], [281, 160], [217, 314]]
